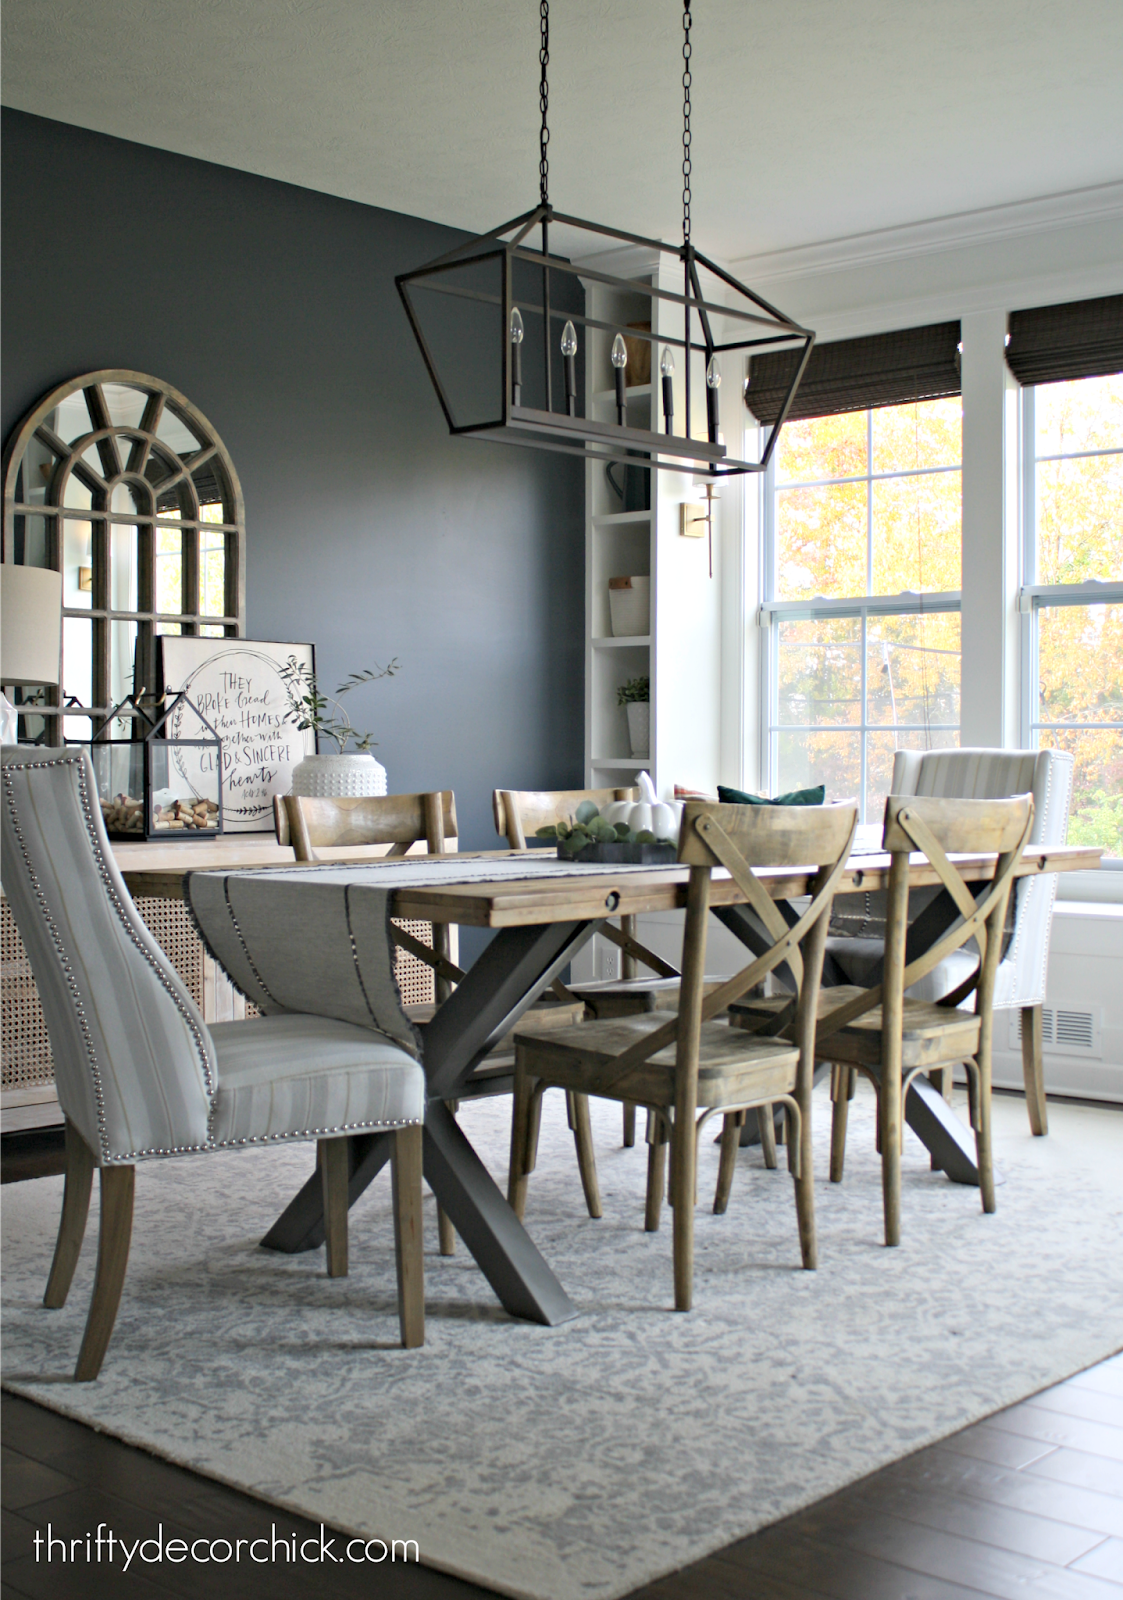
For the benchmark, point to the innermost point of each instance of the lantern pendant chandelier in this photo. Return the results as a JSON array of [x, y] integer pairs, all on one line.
[[492, 316]]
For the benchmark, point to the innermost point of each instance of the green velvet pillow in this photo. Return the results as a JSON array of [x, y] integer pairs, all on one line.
[[797, 797]]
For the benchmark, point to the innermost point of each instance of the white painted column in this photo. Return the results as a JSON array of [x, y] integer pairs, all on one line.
[[989, 714]]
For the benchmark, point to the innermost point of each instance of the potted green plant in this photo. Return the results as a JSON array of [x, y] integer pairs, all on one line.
[[635, 697], [342, 771]]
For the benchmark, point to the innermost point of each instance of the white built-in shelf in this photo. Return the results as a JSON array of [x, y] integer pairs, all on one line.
[[621, 761], [620, 519], [627, 642]]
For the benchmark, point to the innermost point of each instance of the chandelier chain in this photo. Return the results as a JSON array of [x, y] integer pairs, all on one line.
[[687, 23], [544, 103]]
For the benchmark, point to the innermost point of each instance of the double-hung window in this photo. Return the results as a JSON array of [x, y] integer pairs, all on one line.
[[1072, 599], [862, 526]]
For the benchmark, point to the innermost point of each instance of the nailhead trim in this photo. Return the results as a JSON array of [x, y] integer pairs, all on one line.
[[262, 1138], [245, 947]]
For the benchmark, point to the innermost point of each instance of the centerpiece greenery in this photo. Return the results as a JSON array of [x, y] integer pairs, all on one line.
[[323, 713], [586, 837]]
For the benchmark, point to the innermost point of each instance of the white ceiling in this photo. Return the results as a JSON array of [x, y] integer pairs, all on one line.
[[814, 120]]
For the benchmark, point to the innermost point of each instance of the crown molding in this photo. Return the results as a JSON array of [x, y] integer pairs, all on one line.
[[883, 315], [1104, 203]]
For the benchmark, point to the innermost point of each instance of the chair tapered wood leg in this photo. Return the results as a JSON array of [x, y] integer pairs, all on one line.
[[115, 1231], [842, 1090], [890, 1098], [766, 1122], [446, 1233], [629, 1124], [983, 1146], [405, 1179], [1033, 1071], [334, 1175], [586, 1157], [520, 1124], [72, 1223], [533, 1131], [684, 1139], [682, 1190], [730, 1143], [656, 1179]]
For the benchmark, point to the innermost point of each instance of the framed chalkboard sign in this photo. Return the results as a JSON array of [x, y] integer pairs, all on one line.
[[236, 684]]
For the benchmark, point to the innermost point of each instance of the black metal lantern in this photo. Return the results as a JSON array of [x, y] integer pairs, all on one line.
[[497, 323], [165, 780]]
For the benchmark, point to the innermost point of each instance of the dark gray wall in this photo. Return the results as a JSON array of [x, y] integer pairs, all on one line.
[[370, 530]]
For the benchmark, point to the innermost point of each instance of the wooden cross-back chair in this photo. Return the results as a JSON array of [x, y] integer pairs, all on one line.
[[401, 821], [891, 1039], [676, 1065]]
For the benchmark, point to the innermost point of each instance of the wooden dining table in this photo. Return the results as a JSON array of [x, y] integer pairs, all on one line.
[[540, 922]]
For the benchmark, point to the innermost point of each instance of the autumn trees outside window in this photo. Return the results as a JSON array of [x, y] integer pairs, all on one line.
[[1072, 601], [862, 547]]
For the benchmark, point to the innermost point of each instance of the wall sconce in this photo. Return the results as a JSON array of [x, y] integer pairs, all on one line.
[[698, 519]]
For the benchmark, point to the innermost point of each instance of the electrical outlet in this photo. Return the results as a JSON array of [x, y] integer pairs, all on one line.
[[608, 961]]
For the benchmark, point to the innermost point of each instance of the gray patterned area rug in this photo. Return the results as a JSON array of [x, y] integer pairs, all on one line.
[[584, 1460]]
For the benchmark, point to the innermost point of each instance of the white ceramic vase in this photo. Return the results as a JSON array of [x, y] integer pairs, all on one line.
[[353, 773], [639, 726]]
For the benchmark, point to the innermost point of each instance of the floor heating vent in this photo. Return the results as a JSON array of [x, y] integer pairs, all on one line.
[[1064, 1032]]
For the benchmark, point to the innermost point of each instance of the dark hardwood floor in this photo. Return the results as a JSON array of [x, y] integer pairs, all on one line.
[[1027, 1505]]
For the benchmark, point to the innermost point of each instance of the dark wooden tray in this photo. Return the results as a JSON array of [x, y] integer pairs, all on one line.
[[632, 855]]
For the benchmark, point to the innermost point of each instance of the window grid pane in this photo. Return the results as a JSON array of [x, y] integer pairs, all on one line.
[[864, 504], [1074, 440]]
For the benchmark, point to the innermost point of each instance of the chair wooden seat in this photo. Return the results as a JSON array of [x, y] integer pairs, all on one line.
[[931, 1034], [731, 1063]]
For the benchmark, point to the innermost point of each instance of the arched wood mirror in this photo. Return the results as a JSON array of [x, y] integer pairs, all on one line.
[[118, 482]]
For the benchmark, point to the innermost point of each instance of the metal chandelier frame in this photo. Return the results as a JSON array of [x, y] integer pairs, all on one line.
[[561, 430]]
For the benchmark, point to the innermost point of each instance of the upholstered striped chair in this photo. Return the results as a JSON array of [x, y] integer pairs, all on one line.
[[141, 1077], [856, 945]]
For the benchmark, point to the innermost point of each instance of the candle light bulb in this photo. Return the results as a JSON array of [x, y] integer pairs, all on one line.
[[620, 361], [569, 351], [713, 383], [517, 331], [667, 368]]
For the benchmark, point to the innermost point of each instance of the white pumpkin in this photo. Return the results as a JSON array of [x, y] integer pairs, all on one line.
[[662, 819]]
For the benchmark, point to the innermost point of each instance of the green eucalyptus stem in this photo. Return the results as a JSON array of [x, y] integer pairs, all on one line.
[[314, 710]]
